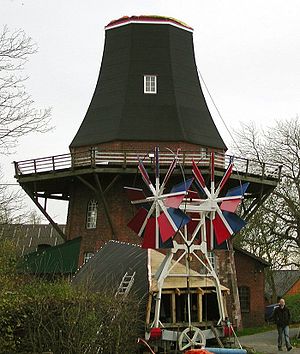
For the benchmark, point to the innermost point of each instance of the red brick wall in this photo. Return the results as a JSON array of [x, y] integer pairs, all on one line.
[[120, 211], [250, 273], [223, 271], [145, 145]]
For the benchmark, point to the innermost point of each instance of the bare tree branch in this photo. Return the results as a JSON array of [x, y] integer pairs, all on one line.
[[18, 114], [274, 231]]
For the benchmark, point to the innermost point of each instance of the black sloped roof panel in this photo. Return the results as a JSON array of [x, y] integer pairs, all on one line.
[[107, 268], [120, 110]]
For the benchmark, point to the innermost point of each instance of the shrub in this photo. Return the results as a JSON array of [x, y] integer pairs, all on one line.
[[38, 316], [293, 303], [43, 317]]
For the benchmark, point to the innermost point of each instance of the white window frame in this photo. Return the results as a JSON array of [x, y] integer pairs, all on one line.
[[150, 84], [91, 214]]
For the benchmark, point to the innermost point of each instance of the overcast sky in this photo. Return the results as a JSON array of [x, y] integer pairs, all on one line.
[[248, 52]]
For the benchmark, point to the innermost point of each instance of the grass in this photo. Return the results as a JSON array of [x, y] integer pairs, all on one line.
[[295, 342], [255, 330]]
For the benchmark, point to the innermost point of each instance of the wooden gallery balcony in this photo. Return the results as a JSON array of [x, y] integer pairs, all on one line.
[[53, 177], [126, 162]]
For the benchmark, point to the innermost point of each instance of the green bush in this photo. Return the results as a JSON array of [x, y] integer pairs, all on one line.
[[38, 316], [293, 303], [55, 317]]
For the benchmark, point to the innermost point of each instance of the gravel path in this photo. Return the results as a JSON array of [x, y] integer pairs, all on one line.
[[267, 342]]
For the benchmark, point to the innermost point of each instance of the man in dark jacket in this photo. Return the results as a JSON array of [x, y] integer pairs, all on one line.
[[282, 319]]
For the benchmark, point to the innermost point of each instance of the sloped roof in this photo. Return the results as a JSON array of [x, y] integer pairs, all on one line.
[[114, 259], [27, 237], [251, 255], [284, 280], [108, 266], [60, 259], [119, 109]]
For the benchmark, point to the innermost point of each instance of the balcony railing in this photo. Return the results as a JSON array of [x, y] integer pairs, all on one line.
[[124, 159]]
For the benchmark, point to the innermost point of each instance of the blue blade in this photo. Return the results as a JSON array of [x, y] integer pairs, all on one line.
[[239, 190], [179, 217], [235, 222], [167, 244], [183, 186]]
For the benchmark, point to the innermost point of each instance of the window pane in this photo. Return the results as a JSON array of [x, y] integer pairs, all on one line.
[[150, 84], [91, 217], [244, 294]]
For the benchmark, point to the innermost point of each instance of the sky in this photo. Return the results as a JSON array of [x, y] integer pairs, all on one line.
[[248, 52]]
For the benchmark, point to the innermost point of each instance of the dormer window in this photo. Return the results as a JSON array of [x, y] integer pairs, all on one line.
[[150, 84]]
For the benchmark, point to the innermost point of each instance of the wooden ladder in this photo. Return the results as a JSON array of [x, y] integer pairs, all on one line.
[[126, 284]]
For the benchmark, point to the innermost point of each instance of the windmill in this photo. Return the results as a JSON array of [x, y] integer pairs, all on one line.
[[186, 221]]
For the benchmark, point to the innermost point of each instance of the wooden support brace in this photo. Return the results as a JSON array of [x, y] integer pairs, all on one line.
[[114, 180], [99, 193], [105, 205], [44, 212]]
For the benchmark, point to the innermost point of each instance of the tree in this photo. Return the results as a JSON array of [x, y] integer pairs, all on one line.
[[18, 115], [274, 232]]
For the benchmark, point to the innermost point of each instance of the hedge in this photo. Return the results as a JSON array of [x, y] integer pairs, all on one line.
[[293, 303], [44, 317]]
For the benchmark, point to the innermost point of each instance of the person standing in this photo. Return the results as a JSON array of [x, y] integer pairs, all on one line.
[[282, 319]]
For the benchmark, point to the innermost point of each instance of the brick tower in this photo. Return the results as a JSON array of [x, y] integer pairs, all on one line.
[[148, 94]]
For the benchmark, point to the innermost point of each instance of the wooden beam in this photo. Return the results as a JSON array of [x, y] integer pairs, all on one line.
[[50, 196], [257, 202], [148, 309], [173, 307], [99, 193], [89, 185], [108, 188], [44, 212], [106, 209], [199, 305]]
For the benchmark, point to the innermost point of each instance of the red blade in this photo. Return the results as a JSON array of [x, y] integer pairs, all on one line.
[[174, 202], [165, 227], [230, 205], [225, 177], [212, 166], [191, 226], [149, 235], [192, 195], [134, 193], [198, 175], [220, 229], [137, 221], [170, 171], [144, 173]]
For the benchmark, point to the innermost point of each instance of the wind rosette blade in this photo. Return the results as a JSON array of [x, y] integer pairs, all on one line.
[[158, 218], [219, 210]]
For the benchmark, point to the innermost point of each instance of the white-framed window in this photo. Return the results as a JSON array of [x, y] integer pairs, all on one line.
[[150, 84], [87, 256], [91, 215]]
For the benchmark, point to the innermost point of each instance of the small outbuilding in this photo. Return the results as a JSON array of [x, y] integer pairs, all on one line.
[[287, 282], [116, 260]]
